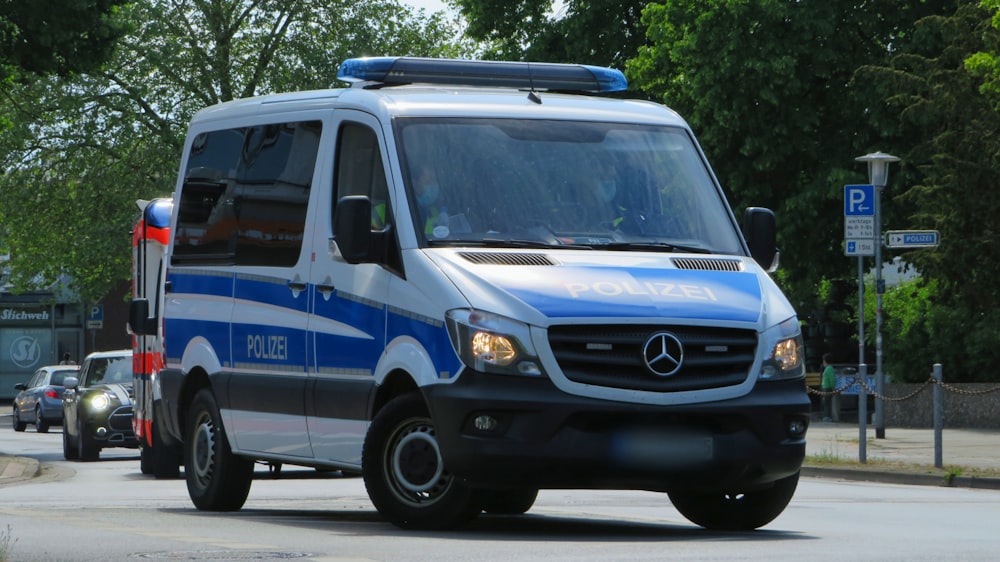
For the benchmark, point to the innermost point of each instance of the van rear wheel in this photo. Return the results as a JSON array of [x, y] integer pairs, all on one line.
[[730, 511], [161, 461], [404, 473], [217, 480]]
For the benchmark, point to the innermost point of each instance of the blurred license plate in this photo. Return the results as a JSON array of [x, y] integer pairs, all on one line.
[[656, 449]]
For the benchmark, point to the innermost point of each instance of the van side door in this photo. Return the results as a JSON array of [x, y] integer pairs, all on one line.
[[348, 323], [242, 228]]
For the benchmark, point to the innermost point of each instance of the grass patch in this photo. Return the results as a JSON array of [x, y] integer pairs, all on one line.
[[948, 473], [6, 544]]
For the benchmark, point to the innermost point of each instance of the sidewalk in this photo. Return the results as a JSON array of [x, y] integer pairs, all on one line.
[[970, 457]]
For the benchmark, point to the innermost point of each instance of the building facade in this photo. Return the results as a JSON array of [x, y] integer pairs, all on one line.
[[36, 329]]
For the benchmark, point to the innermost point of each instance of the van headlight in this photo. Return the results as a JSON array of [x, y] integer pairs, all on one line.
[[785, 360], [491, 343]]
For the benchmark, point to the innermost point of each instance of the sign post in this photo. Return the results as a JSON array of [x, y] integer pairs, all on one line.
[[860, 238], [95, 318], [878, 175]]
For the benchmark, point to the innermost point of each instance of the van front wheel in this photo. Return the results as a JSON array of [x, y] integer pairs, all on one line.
[[404, 473], [217, 480], [730, 511]]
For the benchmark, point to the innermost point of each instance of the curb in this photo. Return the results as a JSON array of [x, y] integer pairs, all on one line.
[[981, 483], [17, 469]]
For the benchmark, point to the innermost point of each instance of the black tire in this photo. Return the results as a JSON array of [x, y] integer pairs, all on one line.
[[86, 447], [161, 461], [217, 480], [507, 502], [145, 459], [41, 424], [19, 425], [404, 474], [727, 511], [70, 450]]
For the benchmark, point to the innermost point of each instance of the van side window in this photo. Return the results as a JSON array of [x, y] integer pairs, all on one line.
[[245, 195], [360, 171]]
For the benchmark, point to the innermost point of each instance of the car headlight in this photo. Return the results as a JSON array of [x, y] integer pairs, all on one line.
[[785, 360], [100, 402], [491, 343]]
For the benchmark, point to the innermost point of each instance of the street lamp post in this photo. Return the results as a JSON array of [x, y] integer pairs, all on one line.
[[878, 176]]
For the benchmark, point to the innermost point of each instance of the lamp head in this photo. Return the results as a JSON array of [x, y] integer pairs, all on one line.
[[878, 167]]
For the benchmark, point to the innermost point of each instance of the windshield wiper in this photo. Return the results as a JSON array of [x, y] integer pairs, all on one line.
[[654, 246], [511, 243]]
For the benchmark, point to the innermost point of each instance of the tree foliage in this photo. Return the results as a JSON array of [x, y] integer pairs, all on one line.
[[947, 109], [57, 36], [83, 148], [770, 89], [599, 32]]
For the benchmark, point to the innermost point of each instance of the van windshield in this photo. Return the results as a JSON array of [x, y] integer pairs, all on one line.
[[590, 185]]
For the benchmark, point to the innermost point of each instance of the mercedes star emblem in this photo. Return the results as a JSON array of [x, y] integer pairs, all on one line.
[[663, 354]]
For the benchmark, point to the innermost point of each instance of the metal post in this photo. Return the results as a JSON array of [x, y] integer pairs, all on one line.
[[862, 368], [938, 417], [879, 289], [863, 414]]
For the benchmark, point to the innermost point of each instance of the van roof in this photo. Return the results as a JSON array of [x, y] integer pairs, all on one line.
[[410, 86], [449, 101]]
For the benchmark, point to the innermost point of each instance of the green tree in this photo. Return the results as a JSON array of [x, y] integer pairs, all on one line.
[[57, 36], [942, 92], [770, 89], [83, 148], [599, 32]]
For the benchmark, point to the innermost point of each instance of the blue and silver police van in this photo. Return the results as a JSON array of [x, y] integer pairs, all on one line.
[[470, 281]]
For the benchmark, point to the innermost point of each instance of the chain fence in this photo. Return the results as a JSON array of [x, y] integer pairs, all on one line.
[[927, 384]]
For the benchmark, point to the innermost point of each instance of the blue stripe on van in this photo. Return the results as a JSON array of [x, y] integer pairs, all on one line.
[[208, 283], [571, 291]]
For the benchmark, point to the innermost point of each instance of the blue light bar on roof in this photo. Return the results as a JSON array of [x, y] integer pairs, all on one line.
[[524, 75]]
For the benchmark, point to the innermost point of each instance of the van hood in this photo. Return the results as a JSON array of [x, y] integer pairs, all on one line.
[[561, 285]]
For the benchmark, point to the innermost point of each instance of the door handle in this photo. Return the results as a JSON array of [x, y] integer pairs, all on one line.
[[326, 289]]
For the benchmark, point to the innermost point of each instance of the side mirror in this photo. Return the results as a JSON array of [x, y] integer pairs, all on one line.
[[20, 386], [139, 322], [759, 229], [352, 225], [71, 382]]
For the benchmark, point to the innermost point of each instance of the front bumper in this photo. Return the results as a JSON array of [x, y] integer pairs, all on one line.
[[546, 438], [113, 429]]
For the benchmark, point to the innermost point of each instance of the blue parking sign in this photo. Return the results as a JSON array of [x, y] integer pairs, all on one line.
[[859, 200]]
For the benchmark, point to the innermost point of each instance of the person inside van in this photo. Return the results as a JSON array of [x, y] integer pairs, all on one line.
[[428, 194]]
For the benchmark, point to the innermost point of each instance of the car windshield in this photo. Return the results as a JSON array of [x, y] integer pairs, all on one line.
[[109, 370], [586, 185]]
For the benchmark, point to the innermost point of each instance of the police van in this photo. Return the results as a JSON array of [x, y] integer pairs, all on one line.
[[469, 281]]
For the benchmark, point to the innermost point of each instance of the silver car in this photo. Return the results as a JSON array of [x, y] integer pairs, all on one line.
[[40, 399]]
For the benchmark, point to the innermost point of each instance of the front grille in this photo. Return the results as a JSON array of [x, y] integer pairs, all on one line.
[[121, 419], [612, 356]]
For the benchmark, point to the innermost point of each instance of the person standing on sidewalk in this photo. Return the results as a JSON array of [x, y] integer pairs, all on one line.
[[828, 384]]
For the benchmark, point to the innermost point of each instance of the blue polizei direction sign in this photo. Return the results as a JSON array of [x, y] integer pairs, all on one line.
[[859, 200], [912, 238]]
